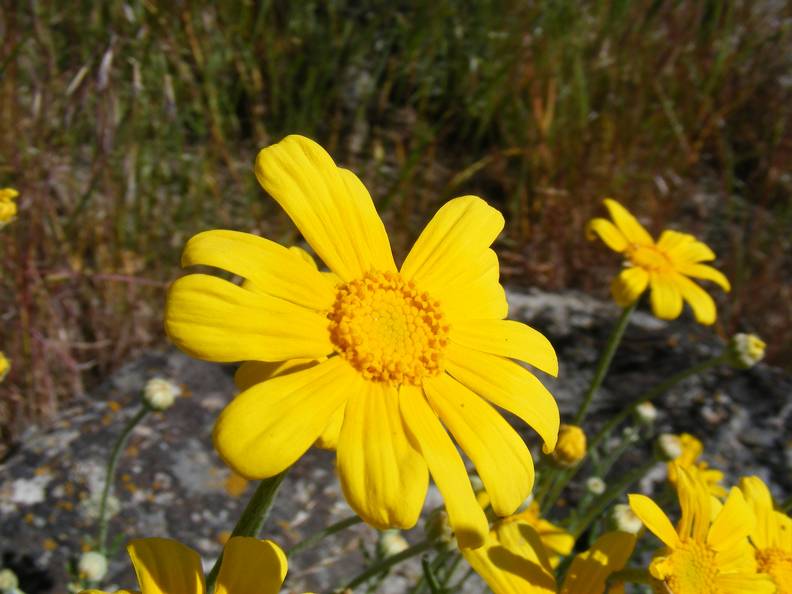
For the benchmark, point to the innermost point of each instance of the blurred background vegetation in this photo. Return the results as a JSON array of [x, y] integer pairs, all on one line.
[[128, 126]]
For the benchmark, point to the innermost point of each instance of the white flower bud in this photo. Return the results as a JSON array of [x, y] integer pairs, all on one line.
[[160, 393], [92, 566], [391, 543], [595, 485], [8, 580], [646, 413], [746, 350], [669, 446], [438, 530], [624, 519]]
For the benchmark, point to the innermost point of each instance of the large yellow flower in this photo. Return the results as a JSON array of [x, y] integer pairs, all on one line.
[[708, 552], [514, 560], [772, 534], [665, 266], [395, 358], [165, 566]]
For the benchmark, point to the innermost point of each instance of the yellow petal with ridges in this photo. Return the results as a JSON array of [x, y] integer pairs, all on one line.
[[705, 272], [329, 205], [328, 439], [590, 570], [383, 476], [700, 302], [745, 583], [608, 233], [268, 427], [501, 457], [684, 248], [210, 318], [509, 386], [733, 524], [665, 297], [446, 467], [758, 497], [251, 373], [266, 264], [507, 338], [165, 566], [632, 230], [251, 566], [654, 519], [629, 285]]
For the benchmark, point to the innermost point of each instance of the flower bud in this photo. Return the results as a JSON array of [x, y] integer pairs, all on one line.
[[668, 447], [5, 365], [646, 413], [746, 350], [438, 530], [160, 393], [571, 446], [623, 518], [8, 207], [92, 566], [595, 485], [8, 580], [391, 543]]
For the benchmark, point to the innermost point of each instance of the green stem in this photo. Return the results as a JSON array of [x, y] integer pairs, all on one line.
[[605, 360], [560, 481], [786, 507], [387, 563], [252, 518], [316, 538], [110, 474]]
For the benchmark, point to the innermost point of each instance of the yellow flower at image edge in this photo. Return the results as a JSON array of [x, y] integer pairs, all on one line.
[[665, 266], [380, 362], [8, 207], [5, 366], [708, 552], [165, 566]]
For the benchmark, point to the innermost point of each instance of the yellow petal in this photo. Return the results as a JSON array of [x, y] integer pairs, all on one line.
[[165, 566], [509, 386], [758, 497], [608, 233], [632, 230], [213, 319], [590, 570], [268, 265], [501, 457], [683, 247], [383, 476], [665, 297], [745, 583], [654, 519], [268, 427], [700, 302], [251, 373], [513, 561], [329, 205], [507, 338], [446, 466], [629, 285], [114, 592], [251, 566], [451, 259], [695, 504], [733, 524], [705, 272], [328, 439]]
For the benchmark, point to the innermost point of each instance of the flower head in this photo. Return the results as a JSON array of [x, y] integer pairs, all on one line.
[[708, 552], [8, 207], [8, 581], [5, 366], [665, 266], [92, 566], [746, 350], [771, 535], [690, 459], [378, 362], [571, 446], [160, 393], [624, 519], [595, 485], [165, 566]]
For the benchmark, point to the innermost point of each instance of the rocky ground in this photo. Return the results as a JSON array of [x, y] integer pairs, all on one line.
[[171, 483]]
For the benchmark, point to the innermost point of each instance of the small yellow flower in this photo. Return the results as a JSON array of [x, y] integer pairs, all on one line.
[[708, 552], [571, 446], [665, 266], [165, 566], [382, 362], [5, 366], [8, 207], [689, 459], [771, 536]]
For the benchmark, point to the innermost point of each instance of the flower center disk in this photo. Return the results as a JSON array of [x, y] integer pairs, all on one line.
[[692, 569], [777, 563], [648, 258], [388, 329]]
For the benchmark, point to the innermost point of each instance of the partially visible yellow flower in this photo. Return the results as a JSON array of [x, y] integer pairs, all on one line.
[[379, 362], [772, 535], [5, 366], [514, 560], [8, 207], [165, 566], [708, 552], [689, 459], [665, 266], [571, 446]]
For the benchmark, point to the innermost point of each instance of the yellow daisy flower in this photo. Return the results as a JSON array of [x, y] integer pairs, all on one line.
[[8, 207], [165, 566], [689, 459], [772, 535], [665, 266], [708, 552], [514, 560], [397, 358], [5, 366]]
